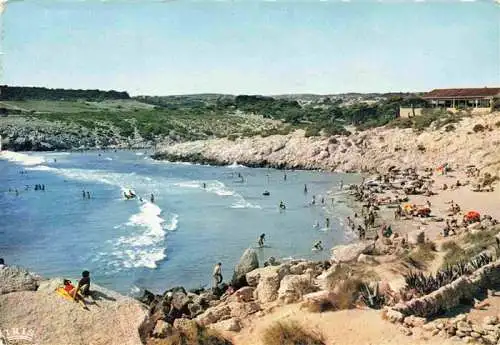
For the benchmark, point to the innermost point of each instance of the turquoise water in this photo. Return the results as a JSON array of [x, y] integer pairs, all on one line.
[[174, 241]]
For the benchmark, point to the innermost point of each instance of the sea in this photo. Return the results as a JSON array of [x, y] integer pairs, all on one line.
[[200, 215]]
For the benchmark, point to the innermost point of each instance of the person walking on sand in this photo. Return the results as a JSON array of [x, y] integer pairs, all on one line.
[[217, 275]]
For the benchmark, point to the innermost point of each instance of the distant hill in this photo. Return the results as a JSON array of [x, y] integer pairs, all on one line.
[[22, 93]]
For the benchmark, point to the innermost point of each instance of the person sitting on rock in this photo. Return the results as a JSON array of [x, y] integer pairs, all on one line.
[[83, 286], [73, 292]]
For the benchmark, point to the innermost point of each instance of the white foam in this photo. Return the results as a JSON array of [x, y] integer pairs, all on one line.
[[172, 225], [189, 184], [242, 203], [235, 165], [139, 153], [216, 187], [21, 158], [102, 176], [108, 158], [145, 246], [219, 188]]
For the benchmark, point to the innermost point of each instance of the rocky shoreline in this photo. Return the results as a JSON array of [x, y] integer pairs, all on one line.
[[24, 134], [378, 148]]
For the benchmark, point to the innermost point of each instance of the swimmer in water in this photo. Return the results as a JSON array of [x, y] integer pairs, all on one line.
[[318, 245], [282, 205], [261, 240]]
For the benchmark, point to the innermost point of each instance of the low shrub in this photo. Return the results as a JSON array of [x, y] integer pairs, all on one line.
[[312, 131], [449, 128], [196, 335], [478, 128], [290, 333], [423, 254], [348, 293]]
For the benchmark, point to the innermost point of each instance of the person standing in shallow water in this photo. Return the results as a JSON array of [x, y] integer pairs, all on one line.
[[261, 240], [305, 189], [83, 194], [152, 198], [88, 195], [217, 275]]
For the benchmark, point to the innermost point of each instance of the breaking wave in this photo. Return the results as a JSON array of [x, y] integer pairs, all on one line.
[[21, 158]]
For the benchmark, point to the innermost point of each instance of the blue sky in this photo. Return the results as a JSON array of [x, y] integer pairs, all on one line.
[[251, 47]]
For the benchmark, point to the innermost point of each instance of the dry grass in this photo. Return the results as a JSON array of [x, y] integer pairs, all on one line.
[[290, 333], [195, 335], [348, 293], [421, 255], [473, 244], [342, 273]]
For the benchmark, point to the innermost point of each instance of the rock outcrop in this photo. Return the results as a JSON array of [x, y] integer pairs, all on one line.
[[451, 295], [351, 252], [360, 151], [267, 281], [112, 319], [248, 262], [14, 279]]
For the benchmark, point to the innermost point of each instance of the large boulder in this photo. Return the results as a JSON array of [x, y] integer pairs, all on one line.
[[267, 280], [13, 279], [319, 298], [294, 286], [214, 314], [230, 325], [162, 329], [242, 310], [254, 276], [245, 294], [111, 318], [179, 300], [248, 262], [416, 237], [351, 252], [324, 280], [302, 266]]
